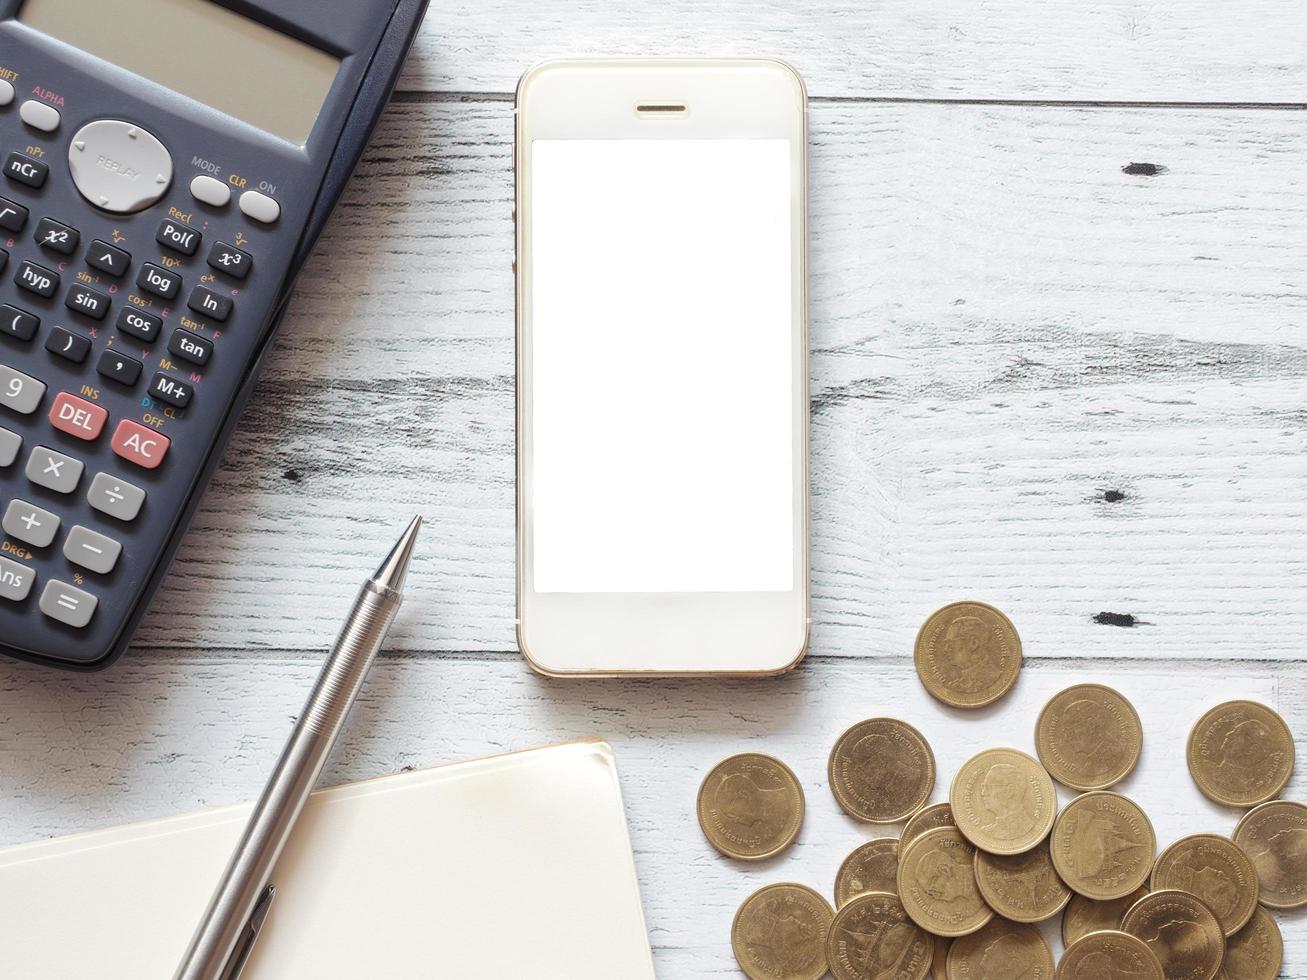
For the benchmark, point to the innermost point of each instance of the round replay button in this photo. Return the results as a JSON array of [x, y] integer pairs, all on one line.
[[118, 166]]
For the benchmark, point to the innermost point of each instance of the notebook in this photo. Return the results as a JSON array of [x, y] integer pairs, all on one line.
[[513, 866]]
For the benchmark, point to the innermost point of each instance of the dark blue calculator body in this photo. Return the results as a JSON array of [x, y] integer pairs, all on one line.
[[165, 167]]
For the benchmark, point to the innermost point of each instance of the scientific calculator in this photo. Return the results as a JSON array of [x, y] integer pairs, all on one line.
[[165, 168]]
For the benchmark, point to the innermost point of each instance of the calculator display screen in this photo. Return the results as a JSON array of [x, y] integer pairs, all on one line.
[[202, 50], [662, 338]]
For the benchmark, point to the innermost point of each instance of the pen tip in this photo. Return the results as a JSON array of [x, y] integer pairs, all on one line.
[[392, 571]]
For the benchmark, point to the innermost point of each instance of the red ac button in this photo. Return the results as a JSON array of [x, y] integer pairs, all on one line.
[[77, 416], [140, 445]]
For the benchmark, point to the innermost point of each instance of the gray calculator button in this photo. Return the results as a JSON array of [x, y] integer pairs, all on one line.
[[260, 207], [15, 580], [39, 115], [54, 471], [30, 523], [18, 392], [210, 190], [10, 443], [67, 604], [90, 550], [6, 92], [118, 166], [115, 497]]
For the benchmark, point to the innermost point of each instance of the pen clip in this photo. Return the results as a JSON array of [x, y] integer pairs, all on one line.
[[245, 945]]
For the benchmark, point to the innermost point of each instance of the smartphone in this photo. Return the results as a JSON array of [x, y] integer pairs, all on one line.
[[662, 379]]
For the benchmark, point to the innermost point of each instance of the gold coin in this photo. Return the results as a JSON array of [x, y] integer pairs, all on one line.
[[872, 938], [1089, 737], [927, 818], [1022, 887], [968, 654], [1086, 915], [1103, 845], [1215, 870], [937, 884], [1241, 753], [1274, 836], [750, 806], [1256, 951], [939, 959], [1003, 801], [779, 933], [881, 770], [1109, 956], [1001, 951], [873, 867], [1181, 931]]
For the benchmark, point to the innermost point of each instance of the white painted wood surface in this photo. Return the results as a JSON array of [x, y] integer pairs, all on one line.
[[1071, 390]]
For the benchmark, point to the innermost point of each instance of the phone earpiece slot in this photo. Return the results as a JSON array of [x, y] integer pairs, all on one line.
[[660, 107]]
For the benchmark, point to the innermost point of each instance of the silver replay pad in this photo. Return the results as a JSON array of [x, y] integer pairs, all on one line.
[[118, 166]]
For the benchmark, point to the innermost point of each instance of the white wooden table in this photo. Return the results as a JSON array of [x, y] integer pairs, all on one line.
[[1059, 345]]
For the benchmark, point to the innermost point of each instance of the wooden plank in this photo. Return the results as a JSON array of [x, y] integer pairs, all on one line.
[[1167, 50], [1037, 379], [160, 736]]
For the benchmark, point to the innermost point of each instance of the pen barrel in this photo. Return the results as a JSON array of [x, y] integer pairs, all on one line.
[[270, 824]]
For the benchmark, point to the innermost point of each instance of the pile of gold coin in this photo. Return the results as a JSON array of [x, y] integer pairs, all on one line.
[[959, 894]]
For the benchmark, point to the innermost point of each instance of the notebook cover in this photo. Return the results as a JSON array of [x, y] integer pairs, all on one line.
[[513, 866]]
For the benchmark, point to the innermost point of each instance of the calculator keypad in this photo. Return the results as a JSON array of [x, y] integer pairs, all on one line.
[[53, 470]]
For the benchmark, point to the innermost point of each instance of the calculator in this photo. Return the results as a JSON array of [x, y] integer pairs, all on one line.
[[165, 168]]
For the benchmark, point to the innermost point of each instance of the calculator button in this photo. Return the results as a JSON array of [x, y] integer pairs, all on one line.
[[36, 279], [159, 281], [171, 390], [140, 324], [18, 392], [260, 207], [114, 497], [208, 303], [13, 216], [18, 323], [70, 606], [83, 299], [68, 345], [178, 237], [119, 166], [90, 550], [40, 116], [107, 259], [231, 260], [15, 580], [140, 445], [190, 346], [77, 416], [210, 190], [57, 237], [119, 367], [10, 443], [6, 92], [29, 523], [26, 170], [54, 471]]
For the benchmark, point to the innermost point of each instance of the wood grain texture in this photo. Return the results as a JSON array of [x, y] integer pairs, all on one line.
[[1131, 50]]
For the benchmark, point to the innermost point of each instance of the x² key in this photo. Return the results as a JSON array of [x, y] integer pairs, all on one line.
[[140, 444]]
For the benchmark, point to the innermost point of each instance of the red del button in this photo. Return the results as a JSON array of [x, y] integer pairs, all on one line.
[[140, 445], [77, 417]]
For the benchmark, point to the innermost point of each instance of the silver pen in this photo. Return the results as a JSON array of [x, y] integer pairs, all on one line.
[[226, 935]]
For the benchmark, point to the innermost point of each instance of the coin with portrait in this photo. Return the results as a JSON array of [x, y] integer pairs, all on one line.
[[1003, 801], [1241, 753], [779, 933], [1214, 870], [937, 884], [1109, 955], [1274, 836], [968, 654], [1001, 951], [872, 938], [881, 770], [750, 806], [1256, 951], [927, 818], [1181, 931], [1089, 737], [1086, 915], [1022, 887], [1103, 845]]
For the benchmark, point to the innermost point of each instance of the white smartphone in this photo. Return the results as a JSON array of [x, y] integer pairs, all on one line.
[[662, 375]]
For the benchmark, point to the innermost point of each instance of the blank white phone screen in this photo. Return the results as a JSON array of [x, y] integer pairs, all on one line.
[[662, 345]]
